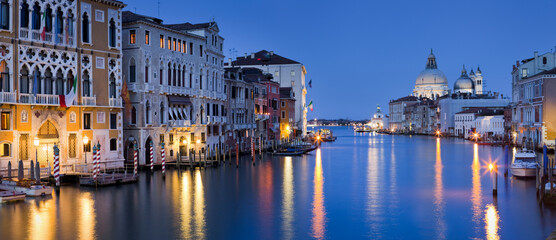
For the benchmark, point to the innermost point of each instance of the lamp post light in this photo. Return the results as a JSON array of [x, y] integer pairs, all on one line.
[[36, 143], [85, 142], [491, 168], [288, 132]]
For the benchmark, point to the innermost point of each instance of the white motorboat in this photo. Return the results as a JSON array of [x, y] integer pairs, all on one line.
[[9, 196], [525, 164], [28, 187]]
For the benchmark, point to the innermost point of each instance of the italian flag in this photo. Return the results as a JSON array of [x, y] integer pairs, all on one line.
[[43, 33], [311, 105], [67, 100]]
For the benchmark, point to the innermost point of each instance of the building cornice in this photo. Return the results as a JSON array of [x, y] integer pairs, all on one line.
[[163, 28]]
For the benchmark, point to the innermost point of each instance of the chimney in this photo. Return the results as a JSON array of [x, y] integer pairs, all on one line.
[[253, 55], [230, 62], [271, 53], [245, 55]]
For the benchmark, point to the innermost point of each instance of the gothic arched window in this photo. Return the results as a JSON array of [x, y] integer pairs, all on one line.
[[24, 14], [85, 28], [36, 16], [112, 33]]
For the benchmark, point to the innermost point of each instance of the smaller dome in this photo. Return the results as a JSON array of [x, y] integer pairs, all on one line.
[[464, 84]]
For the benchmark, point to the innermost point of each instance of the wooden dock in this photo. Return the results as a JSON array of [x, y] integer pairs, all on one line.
[[107, 179]]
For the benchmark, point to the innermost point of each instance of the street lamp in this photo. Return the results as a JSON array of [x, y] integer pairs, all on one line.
[[36, 143], [85, 142]]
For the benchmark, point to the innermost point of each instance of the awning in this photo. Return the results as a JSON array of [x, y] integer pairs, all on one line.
[[170, 114], [183, 112], [179, 100], [176, 116]]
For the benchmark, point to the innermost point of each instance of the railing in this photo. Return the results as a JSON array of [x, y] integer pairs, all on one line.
[[26, 98], [7, 97], [179, 123], [89, 101], [47, 99], [262, 116], [48, 37], [59, 38], [36, 35], [23, 33], [133, 87], [149, 88], [115, 102]]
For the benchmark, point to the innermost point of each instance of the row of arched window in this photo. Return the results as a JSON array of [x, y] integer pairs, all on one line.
[[176, 76]]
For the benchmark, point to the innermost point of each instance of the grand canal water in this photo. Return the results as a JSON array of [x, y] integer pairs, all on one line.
[[360, 187]]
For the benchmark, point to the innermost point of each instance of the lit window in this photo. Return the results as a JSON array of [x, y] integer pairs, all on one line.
[[86, 121], [179, 45], [5, 121], [5, 150], [131, 36], [147, 37], [174, 44], [169, 43], [161, 41], [524, 72], [183, 47]]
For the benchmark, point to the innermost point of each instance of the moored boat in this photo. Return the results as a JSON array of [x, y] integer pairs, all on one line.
[[26, 186], [326, 135], [9, 196], [525, 164]]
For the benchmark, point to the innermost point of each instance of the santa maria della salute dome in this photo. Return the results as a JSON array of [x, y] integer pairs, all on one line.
[[431, 82]]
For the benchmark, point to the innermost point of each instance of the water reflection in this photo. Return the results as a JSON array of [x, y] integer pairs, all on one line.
[[373, 190], [438, 193], [476, 187], [184, 204], [87, 218], [42, 216], [319, 213], [287, 202], [192, 206], [491, 221]]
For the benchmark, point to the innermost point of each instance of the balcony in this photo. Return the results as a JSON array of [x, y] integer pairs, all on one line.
[[89, 101], [262, 116], [133, 87], [8, 97], [149, 88], [35, 35], [115, 102], [179, 123]]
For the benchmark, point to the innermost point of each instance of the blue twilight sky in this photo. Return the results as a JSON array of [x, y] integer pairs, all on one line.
[[363, 53]]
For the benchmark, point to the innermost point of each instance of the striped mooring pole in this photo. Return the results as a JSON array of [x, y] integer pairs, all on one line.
[[135, 162], [163, 159], [98, 158], [152, 159], [57, 165], [95, 171], [253, 149]]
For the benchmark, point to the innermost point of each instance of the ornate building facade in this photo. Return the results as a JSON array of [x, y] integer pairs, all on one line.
[[175, 76], [49, 48]]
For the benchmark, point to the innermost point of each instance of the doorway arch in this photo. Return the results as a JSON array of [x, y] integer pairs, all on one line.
[[48, 136]]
